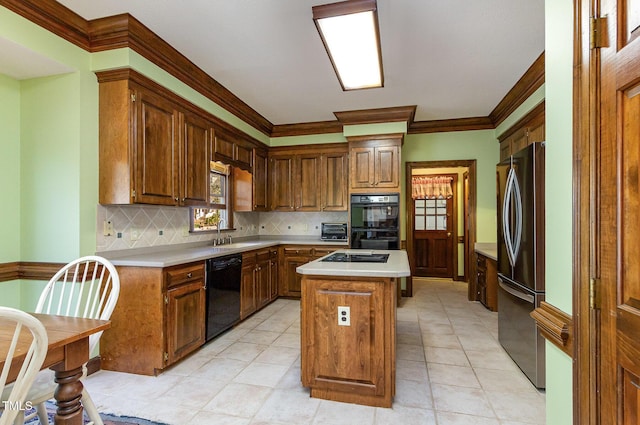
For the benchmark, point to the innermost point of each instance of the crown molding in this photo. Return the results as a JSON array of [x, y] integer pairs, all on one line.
[[115, 32], [531, 81], [53, 17], [306, 129], [124, 30], [379, 115], [459, 124]]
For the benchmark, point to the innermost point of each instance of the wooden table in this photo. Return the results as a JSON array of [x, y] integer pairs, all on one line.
[[68, 351]]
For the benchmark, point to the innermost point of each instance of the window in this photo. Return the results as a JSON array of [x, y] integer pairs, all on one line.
[[218, 214], [431, 214]]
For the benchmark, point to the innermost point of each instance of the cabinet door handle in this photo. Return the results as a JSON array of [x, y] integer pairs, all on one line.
[[189, 275], [176, 199]]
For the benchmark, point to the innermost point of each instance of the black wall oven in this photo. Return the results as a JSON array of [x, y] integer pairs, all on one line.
[[375, 221]]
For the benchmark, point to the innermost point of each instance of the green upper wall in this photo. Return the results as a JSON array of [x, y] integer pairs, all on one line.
[[480, 145]]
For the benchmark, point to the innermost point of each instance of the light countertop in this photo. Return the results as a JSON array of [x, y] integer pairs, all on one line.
[[396, 266], [171, 255], [489, 250]]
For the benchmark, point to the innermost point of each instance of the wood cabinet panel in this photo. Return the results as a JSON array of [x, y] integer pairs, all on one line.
[[353, 363], [375, 162], [248, 303], [307, 181], [317, 178], [334, 176], [156, 151], [282, 194], [185, 320], [293, 256], [487, 281], [528, 130], [259, 275], [195, 143], [159, 318], [260, 180]]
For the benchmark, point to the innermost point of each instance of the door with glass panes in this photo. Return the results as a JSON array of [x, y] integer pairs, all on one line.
[[433, 238]]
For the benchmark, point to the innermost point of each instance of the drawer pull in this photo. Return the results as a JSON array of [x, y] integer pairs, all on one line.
[[189, 275]]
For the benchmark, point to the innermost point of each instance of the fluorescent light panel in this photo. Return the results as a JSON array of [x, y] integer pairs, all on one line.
[[349, 31]]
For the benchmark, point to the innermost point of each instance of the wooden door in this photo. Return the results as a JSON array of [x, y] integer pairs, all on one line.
[[334, 176], [157, 157], [307, 181], [194, 170], [433, 237], [619, 213]]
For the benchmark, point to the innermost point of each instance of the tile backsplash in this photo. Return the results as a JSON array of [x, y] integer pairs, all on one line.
[[141, 226]]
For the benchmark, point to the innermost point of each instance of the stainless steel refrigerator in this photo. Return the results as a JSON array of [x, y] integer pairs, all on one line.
[[520, 195]]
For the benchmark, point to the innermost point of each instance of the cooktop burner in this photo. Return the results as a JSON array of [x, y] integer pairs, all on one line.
[[344, 257]]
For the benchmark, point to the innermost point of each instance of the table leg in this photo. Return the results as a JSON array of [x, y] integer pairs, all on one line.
[[68, 395]]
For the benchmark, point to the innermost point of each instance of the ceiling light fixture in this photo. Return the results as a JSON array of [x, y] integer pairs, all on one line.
[[350, 34]]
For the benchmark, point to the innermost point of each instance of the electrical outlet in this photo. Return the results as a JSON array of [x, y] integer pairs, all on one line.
[[344, 316], [107, 228], [135, 234]]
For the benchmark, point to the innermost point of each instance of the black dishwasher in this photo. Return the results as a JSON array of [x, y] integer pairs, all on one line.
[[223, 293]]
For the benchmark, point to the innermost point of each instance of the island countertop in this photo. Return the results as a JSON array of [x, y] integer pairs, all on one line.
[[396, 266]]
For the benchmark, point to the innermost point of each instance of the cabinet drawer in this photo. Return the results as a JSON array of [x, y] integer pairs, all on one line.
[[182, 275], [321, 252], [298, 251]]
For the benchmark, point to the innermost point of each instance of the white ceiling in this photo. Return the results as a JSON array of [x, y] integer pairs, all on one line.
[[22, 63], [451, 58]]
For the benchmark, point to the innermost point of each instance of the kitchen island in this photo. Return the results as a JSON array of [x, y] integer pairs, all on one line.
[[348, 326]]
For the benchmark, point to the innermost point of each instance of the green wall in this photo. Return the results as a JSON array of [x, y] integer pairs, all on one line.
[[480, 145], [10, 187], [559, 195]]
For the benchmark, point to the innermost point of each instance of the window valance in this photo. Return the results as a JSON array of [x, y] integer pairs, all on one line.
[[431, 187]]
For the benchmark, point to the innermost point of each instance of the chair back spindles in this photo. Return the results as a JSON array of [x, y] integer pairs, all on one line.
[[30, 364], [83, 288]]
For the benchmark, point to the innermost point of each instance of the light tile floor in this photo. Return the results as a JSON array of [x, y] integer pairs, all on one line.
[[451, 370]]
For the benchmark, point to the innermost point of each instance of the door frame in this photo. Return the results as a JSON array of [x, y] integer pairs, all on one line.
[[586, 112], [471, 166]]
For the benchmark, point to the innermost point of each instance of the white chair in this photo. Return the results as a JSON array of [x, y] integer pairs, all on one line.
[[87, 287], [16, 393]]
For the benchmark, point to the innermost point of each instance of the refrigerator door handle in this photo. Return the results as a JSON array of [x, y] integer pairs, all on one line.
[[506, 217], [516, 293], [519, 208]]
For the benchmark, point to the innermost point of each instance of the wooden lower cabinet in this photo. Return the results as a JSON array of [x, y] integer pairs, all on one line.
[[159, 318], [487, 281], [297, 255], [353, 363], [259, 277]]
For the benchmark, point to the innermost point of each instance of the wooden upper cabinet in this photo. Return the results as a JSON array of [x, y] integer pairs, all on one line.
[[155, 147], [305, 178], [334, 181], [307, 172], [530, 129], [156, 179], [151, 149], [231, 151], [375, 162], [194, 155], [260, 180], [282, 194]]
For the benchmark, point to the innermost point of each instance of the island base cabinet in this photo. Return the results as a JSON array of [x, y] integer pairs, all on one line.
[[352, 363]]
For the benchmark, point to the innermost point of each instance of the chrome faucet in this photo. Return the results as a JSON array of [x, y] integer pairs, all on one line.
[[219, 240]]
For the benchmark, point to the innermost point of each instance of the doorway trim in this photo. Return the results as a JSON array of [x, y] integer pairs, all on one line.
[[470, 164]]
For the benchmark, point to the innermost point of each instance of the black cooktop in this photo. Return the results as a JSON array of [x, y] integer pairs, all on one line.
[[343, 257]]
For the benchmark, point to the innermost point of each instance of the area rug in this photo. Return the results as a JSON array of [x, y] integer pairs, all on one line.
[[108, 419]]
